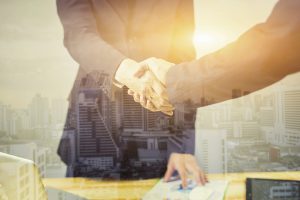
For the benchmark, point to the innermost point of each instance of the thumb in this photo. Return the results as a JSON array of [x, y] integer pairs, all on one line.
[[143, 69]]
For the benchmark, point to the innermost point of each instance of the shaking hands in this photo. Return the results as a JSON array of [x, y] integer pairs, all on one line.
[[147, 83]]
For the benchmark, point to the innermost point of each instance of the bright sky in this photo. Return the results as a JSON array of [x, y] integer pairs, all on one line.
[[33, 59], [219, 22]]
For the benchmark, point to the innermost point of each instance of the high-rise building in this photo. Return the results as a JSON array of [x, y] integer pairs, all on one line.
[[58, 111], [267, 117], [250, 129], [23, 120], [7, 120], [95, 144], [211, 150], [21, 179], [292, 116], [132, 113], [27, 150], [229, 127], [39, 113], [136, 118], [116, 114]]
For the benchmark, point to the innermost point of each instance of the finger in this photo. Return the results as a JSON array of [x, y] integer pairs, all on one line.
[[143, 100], [157, 95], [170, 113], [182, 173], [168, 173], [130, 92], [202, 177], [205, 178], [143, 69], [150, 96], [150, 106], [192, 166], [136, 97], [197, 175]]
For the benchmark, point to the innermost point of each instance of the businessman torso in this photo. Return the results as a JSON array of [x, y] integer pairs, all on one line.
[[138, 30]]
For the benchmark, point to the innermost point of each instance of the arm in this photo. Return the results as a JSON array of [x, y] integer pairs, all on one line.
[[82, 39], [260, 57]]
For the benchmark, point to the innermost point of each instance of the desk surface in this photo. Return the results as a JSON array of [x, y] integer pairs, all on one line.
[[97, 189]]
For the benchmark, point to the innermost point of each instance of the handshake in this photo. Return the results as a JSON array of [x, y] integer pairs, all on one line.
[[147, 83]]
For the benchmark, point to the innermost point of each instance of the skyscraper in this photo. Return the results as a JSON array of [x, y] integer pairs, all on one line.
[[7, 120], [292, 116], [58, 111], [132, 113], [95, 145], [211, 150], [136, 118], [39, 114]]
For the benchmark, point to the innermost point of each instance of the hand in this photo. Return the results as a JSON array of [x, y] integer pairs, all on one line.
[[185, 164], [140, 80], [159, 68]]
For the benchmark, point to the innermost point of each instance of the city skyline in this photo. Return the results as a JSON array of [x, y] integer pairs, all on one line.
[[261, 130]]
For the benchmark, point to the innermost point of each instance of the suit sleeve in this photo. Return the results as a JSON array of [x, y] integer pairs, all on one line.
[[82, 39], [263, 55]]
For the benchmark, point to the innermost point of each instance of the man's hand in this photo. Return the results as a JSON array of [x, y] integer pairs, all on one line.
[[185, 164], [159, 68], [144, 85]]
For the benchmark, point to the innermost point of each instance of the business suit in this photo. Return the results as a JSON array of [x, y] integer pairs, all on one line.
[[99, 34], [261, 56]]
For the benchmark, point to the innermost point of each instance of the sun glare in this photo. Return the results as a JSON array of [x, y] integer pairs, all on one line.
[[207, 42]]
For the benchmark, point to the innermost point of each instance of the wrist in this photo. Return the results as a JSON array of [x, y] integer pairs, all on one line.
[[117, 80], [126, 72]]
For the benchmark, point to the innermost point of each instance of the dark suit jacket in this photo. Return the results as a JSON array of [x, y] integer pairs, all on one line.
[[99, 34], [263, 55]]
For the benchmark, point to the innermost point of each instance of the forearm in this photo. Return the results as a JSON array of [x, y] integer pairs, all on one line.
[[82, 39], [263, 55], [92, 53]]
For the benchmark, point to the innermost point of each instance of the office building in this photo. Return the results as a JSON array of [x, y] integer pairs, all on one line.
[[211, 150], [292, 116], [95, 144], [59, 109], [7, 120], [136, 118], [27, 150], [132, 113], [267, 117], [39, 112], [116, 114], [23, 181], [22, 120]]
